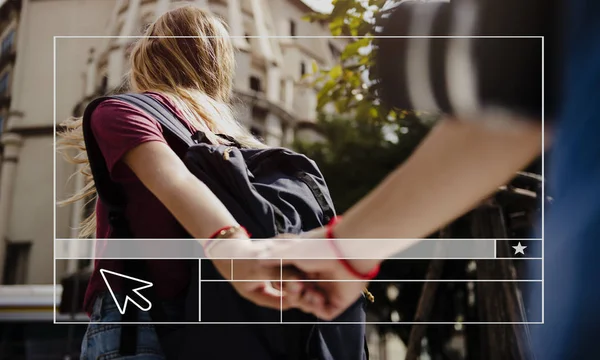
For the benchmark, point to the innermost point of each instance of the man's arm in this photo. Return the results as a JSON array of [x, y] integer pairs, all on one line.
[[456, 166]]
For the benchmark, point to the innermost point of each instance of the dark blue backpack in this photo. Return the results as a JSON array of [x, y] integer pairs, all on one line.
[[270, 192]]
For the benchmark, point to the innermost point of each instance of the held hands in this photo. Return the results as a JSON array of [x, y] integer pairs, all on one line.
[[256, 282], [325, 288], [331, 288]]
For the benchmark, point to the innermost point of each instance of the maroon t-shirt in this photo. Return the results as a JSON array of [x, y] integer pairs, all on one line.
[[119, 127]]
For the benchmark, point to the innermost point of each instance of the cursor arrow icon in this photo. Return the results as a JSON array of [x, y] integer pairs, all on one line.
[[142, 303]]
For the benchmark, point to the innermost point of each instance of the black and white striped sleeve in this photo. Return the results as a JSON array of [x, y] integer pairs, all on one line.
[[467, 57]]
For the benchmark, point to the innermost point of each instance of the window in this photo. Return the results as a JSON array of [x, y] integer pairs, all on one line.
[[4, 84], [257, 122], [255, 83], [16, 262], [8, 41], [286, 140], [282, 90], [256, 132], [292, 28], [302, 68], [104, 85], [259, 115]]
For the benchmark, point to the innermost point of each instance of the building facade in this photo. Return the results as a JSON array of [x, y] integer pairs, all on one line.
[[44, 79], [90, 60]]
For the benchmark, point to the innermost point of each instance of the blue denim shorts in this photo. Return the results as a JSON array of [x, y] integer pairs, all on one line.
[[102, 341]]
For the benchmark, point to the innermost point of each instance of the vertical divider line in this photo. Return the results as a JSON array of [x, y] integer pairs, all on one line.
[[281, 290], [53, 180], [199, 290], [543, 204], [495, 248]]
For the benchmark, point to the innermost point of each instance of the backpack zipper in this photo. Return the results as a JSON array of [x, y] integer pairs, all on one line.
[[226, 153], [368, 295]]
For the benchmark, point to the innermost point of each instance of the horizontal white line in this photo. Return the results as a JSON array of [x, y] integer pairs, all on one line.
[[312, 258], [305, 323], [375, 280], [303, 239], [304, 37]]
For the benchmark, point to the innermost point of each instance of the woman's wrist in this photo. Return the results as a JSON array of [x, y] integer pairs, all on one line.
[[241, 248], [228, 241], [231, 231]]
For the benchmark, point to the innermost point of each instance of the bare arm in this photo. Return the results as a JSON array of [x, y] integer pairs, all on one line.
[[192, 203], [456, 166], [201, 213]]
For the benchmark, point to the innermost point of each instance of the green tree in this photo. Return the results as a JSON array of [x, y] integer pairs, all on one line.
[[349, 84], [365, 140], [358, 154]]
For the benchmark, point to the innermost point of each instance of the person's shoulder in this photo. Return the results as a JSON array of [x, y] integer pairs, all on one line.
[[114, 108], [160, 97], [117, 110], [118, 127], [117, 116], [171, 105], [165, 100]]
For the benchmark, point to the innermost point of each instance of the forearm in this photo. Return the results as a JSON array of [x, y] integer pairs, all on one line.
[[194, 205], [456, 166]]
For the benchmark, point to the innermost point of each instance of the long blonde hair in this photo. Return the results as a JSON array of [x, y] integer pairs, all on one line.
[[186, 55]]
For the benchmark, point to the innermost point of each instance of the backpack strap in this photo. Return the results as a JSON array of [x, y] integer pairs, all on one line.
[[158, 111], [110, 193], [113, 198], [328, 211], [168, 120]]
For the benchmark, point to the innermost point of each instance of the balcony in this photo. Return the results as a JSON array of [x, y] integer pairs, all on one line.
[[258, 99]]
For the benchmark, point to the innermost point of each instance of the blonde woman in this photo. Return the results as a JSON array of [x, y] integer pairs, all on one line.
[[192, 77]]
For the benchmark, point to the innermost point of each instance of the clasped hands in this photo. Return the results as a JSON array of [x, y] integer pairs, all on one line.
[[321, 287]]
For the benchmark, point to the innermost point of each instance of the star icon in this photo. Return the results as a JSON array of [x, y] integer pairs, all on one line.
[[519, 248]]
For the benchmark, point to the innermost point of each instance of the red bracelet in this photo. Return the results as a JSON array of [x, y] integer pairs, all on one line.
[[226, 231], [223, 233], [333, 222], [345, 263]]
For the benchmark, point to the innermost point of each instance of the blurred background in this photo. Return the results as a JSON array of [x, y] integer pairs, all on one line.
[[313, 94]]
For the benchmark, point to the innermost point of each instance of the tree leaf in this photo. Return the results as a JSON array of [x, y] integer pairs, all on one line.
[[323, 96], [315, 16], [378, 3], [315, 67], [364, 29], [335, 27], [335, 72], [352, 48], [341, 7]]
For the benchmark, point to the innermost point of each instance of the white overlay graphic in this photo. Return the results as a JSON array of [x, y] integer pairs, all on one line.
[[122, 308]]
